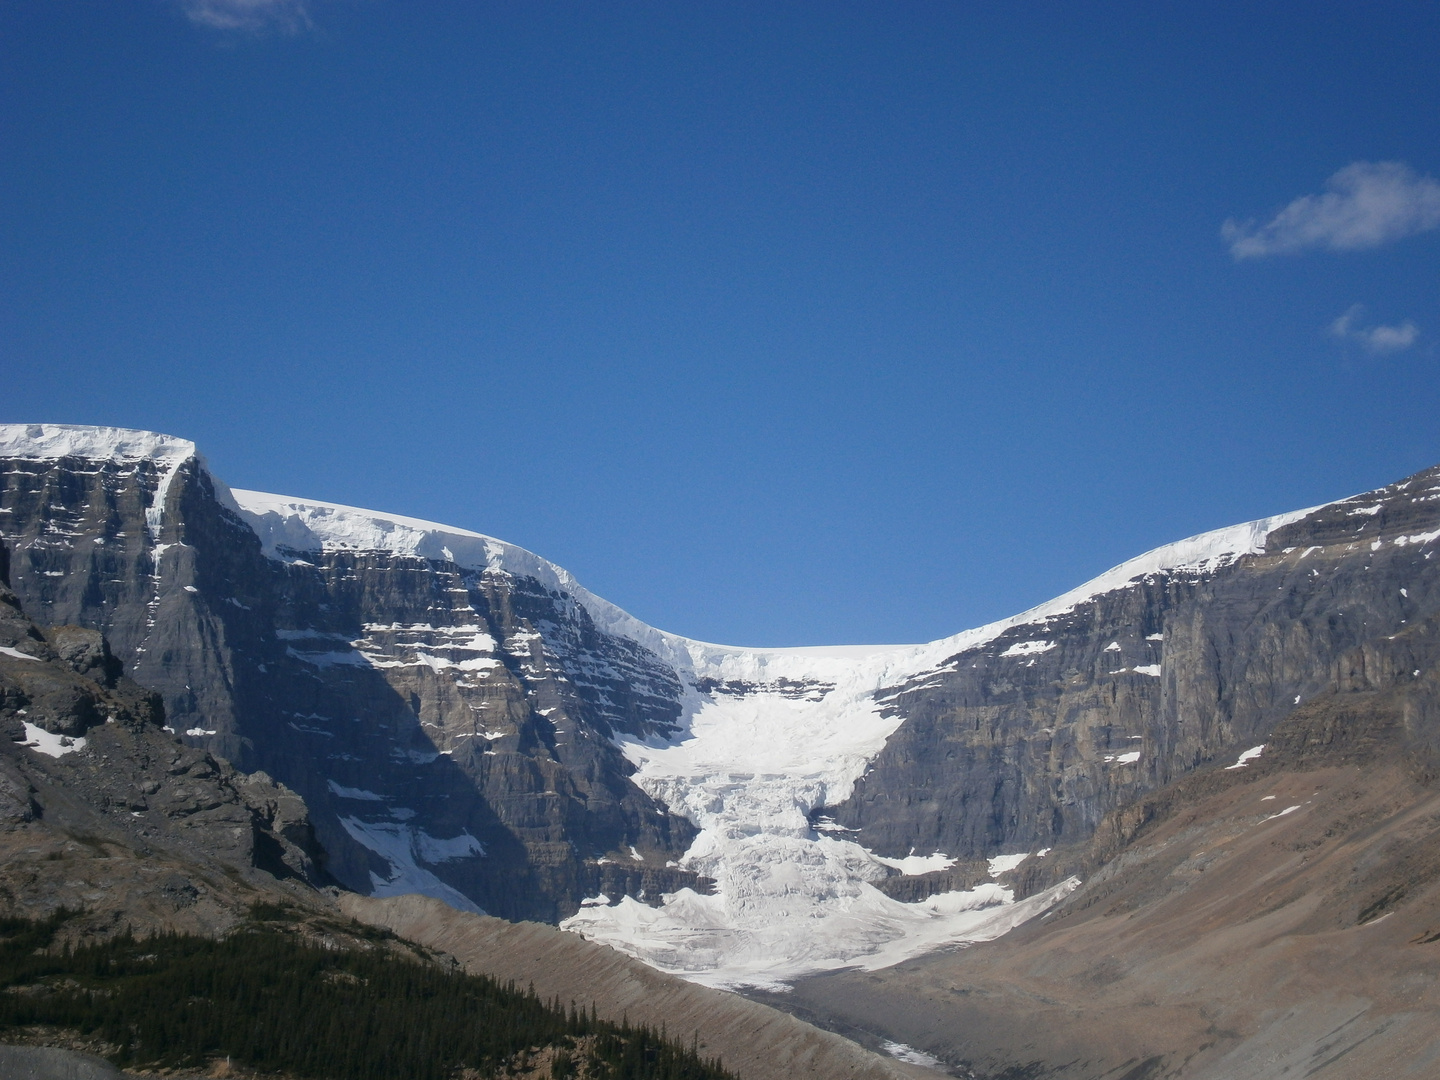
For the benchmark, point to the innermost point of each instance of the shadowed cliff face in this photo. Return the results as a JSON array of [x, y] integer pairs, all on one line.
[[450, 728], [102, 810], [1028, 741]]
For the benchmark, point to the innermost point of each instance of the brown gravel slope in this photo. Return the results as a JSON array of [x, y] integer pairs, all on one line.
[[1269, 923], [753, 1040]]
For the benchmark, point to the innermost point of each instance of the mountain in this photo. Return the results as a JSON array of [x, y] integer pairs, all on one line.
[[467, 721], [410, 700]]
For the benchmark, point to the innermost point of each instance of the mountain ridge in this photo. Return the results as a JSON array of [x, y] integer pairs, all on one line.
[[696, 805], [291, 529]]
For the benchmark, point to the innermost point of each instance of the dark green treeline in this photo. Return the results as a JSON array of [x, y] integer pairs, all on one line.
[[274, 1002]]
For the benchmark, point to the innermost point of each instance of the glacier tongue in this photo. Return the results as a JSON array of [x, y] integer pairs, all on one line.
[[749, 768]]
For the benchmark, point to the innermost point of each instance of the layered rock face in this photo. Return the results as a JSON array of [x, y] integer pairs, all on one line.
[[450, 727], [1028, 740]]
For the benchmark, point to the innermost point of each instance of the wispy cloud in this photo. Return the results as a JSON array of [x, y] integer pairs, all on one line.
[[290, 16], [1364, 205], [1376, 340]]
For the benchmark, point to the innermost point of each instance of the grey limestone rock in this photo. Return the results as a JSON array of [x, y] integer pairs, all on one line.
[[354, 679], [1031, 739]]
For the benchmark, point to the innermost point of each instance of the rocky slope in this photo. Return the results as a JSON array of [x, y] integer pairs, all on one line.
[[467, 721]]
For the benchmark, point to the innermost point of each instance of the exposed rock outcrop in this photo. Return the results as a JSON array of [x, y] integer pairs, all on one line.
[[1028, 741], [449, 728], [102, 809]]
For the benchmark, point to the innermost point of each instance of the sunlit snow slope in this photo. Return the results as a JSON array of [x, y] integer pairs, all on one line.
[[767, 736]]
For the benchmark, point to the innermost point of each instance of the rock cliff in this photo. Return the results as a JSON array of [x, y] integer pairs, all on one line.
[[102, 809], [1029, 740], [449, 727]]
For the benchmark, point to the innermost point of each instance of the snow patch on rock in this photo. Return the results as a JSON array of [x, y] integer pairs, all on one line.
[[1248, 756], [50, 744], [400, 846], [918, 864], [1003, 864], [1028, 648], [902, 1052]]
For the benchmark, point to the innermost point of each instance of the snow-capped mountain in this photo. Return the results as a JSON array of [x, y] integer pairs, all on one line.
[[469, 722]]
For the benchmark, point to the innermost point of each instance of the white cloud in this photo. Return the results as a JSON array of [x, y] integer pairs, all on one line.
[[1376, 340], [1364, 205], [252, 15]]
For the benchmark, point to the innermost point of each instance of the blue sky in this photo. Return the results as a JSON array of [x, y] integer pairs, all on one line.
[[774, 323]]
